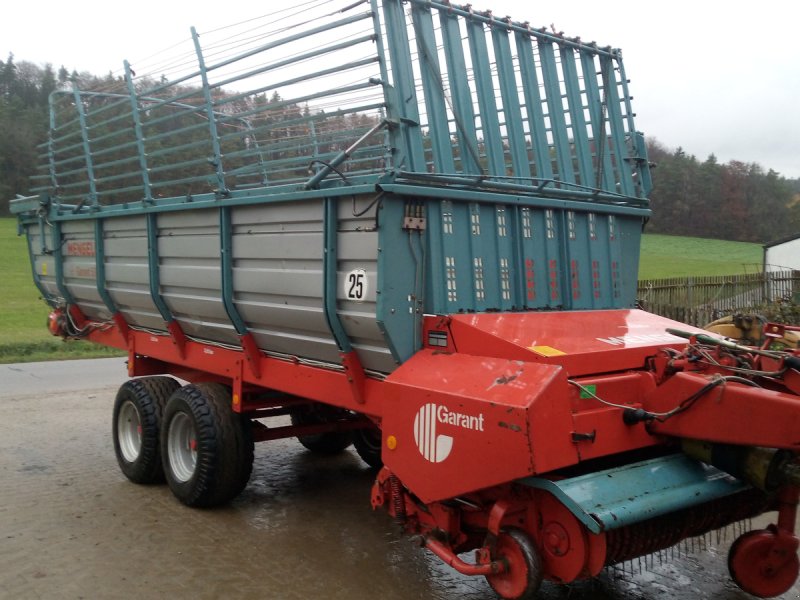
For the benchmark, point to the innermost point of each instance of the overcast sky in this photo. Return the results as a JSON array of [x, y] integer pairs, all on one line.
[[712, 76]]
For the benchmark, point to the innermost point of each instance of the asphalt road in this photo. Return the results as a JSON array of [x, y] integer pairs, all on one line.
[[72, 527], [61, 376]]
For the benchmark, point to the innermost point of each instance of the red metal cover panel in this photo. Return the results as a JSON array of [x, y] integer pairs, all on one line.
[[460, 423], [583, 342]]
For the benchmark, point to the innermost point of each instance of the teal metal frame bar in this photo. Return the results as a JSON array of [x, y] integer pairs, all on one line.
[[407, 138], [249, 344], [434, 95], [555, 111], [512, 111], [100, 276], [87, 152], [330, 262], [487, 105], [533, 106], [597, 107], [462, 106], [580, 139], [137, 126], [226, 266], [174, 328], [100, 267], [222, 189], [610, 86], [58, 258]]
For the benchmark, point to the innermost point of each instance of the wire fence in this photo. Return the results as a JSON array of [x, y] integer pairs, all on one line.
[[700, 300]]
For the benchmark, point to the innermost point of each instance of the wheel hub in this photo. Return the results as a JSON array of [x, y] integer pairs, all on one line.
[[556, 539], [182, 447], [129, 432]]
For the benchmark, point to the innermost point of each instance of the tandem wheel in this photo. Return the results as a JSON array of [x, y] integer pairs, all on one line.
[[368, 443], [206, 448], [328, 443], [136, 426]]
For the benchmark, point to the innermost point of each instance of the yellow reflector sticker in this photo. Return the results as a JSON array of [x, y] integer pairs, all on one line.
[[546, 351], [44, 268]]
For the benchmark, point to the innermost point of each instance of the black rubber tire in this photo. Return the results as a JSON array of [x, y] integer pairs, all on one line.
[[328, 443], [368, 444], [223, 445], [148, 396]]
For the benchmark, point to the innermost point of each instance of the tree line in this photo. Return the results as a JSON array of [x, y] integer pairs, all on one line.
[[733, 201], [263, 139]]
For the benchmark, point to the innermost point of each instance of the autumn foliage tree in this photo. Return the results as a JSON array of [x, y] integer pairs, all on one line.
[[733, 201]]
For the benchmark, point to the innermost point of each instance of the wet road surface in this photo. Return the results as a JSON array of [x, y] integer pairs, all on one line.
[[72, 526]]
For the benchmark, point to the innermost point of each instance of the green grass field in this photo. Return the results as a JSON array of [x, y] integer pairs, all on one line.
[[676, 256], [23, 315]]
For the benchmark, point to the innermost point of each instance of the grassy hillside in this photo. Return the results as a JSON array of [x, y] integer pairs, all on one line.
[[20, 306], [23, 315], [676, 256]]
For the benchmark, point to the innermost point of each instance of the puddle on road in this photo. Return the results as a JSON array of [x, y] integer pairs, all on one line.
[[316, 510]]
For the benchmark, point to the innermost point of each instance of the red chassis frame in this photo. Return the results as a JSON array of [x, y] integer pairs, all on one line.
[[565, 388]]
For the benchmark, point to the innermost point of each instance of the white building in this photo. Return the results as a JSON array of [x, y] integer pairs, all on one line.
[[782, 255]]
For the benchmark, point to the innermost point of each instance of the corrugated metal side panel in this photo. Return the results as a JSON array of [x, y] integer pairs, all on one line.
[[358, 250], [80, 269], [189, 273], [127, 271], [277, 277]]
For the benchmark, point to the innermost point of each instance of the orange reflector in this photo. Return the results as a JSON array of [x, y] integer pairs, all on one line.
[[391, 442]]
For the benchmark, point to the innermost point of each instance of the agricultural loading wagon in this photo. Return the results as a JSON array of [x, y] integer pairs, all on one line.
[[413, 227]]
